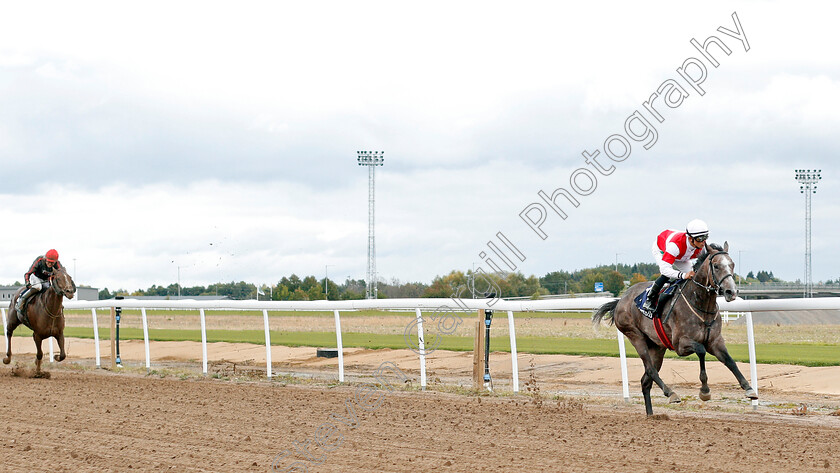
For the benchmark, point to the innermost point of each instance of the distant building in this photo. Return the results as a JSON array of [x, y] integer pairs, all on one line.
[[86, 294], [82, 294], [6, 294]]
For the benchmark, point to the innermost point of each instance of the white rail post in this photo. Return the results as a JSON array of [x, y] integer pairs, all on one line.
[[146, 338], [514, 362], [3, 311], [751, 346], [51, 348], [96, 337], [267, 345], [625, 387], [203, 343], [421, 345], [340, 347]]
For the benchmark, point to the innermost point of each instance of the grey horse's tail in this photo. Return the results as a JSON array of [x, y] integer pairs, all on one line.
[[605, 312]]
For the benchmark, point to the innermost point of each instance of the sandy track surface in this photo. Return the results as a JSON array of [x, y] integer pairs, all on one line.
[[103, 421], [555, 373]]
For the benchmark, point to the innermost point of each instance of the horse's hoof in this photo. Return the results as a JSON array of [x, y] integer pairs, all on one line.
[[58, 358], [7, 360], [751, 394], [674, 398], [705, 396]]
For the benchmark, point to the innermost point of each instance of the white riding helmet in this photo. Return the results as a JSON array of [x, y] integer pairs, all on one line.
[[696, 228]]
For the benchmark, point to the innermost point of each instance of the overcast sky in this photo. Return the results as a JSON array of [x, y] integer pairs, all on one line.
[[221, 138]]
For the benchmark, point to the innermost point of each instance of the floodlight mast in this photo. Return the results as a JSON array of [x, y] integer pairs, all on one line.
[[371, 159], [808, 180]]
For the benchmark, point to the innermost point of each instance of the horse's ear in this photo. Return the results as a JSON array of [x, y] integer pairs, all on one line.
[[726, 246], [708, 250]]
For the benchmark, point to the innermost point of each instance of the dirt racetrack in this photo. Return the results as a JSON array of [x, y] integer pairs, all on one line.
[[97, 420]]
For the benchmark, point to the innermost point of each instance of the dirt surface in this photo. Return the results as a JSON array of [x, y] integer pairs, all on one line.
[[557, 374], [104, 421], [570, 415]]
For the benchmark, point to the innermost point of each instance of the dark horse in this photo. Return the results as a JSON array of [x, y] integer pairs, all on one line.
[[44, 315], [691, 323]]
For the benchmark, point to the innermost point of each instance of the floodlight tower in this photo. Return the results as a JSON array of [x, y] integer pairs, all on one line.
[[808, 180], [371, 159]]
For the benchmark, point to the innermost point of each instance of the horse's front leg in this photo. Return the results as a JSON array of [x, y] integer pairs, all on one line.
[[38, 354], [718, 349], [705, 392], [61, 355], [11, 325]]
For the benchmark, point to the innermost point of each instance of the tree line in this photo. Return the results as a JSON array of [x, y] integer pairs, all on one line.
[[464, 284], [461, 283]]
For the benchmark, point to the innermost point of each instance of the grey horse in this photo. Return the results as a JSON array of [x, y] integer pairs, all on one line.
[[690, 321]]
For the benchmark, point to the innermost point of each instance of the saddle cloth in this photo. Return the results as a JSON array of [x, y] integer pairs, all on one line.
[[663, 296]]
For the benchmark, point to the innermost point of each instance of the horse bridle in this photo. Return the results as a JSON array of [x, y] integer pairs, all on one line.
[[58, 291], [55, 287], [717, 283]]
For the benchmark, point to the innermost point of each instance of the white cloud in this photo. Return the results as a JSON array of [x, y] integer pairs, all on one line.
[[143, 137]]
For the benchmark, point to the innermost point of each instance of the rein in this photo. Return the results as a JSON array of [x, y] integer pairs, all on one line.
[[59, 313], [714, 289]]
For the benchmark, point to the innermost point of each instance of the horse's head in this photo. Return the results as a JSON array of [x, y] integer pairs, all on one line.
[[62, 283], [716, 270]]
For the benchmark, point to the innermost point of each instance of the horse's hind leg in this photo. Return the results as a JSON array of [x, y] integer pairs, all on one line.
[[640, 342], [61, 355], [658, 356], [718, 349]]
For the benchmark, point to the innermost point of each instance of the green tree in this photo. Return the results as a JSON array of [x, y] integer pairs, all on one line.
[[315, 292], [557, 282], [299, 295], [308, 283], [614, 282], [293, 282], [281, 293], [332, 290], [445, 286]]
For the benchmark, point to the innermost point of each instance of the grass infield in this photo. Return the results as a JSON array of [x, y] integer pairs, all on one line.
[[806, 354]]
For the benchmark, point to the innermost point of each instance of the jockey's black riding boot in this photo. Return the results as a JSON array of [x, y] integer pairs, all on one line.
[[653, 296], [22, 299]]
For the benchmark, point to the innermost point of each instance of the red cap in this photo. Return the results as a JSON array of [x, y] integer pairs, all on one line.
[[52, 256]]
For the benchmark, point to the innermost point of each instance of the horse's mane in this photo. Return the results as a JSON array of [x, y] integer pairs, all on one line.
[[705, 254]]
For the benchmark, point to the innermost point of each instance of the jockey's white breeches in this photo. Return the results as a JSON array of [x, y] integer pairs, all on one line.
[[37, 283]]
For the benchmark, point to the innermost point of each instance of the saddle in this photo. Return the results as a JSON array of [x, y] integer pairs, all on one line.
[[664, 295], [21, 314]]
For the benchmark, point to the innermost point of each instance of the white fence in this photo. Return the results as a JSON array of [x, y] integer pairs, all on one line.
[[448, 305]]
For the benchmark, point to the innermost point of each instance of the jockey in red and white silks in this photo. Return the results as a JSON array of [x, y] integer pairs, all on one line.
[[675, 252]]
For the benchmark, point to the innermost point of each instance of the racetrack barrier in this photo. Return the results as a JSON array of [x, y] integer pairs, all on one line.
[[417, 304], [96, 336], [3, 312]]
